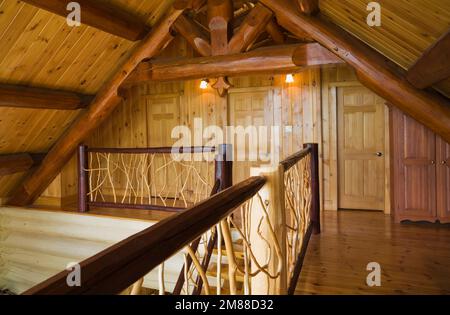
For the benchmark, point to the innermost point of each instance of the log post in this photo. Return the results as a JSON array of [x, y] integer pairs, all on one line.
[[224, 166], [315, 186], [263, 243], [83, 185]]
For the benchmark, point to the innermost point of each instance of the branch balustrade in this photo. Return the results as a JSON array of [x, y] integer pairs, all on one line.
[[248, 238]]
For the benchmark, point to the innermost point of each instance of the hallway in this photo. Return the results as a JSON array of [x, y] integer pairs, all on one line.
[[414, 258]]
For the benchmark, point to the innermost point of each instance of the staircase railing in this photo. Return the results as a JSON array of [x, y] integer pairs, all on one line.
[[258, 229], [144, 178]]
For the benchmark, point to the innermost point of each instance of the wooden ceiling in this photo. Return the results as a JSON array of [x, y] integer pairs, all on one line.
[[38, 49], [408, 27]]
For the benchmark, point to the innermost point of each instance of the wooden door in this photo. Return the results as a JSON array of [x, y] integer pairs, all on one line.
[[414, 175], [443, 180], [249, 107], [361, 149], [163, 114]]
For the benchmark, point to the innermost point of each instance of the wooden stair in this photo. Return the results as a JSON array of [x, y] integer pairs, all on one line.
[[212, 270]]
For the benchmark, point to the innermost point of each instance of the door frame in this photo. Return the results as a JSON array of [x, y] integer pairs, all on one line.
[[330, 127]]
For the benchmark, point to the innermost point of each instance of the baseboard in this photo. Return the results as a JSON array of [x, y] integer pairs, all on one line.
[[71, 200], [48, 201]]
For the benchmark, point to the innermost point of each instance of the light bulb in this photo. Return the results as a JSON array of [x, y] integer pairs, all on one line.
[[290, 78], [204, 84]]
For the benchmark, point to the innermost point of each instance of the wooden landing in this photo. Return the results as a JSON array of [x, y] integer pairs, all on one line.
[[148, 215], [414, 258]]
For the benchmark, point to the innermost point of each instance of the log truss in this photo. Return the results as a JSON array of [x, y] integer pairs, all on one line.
[[213, 33]]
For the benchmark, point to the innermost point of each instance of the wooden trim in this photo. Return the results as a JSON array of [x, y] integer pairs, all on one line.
[[100, 14], [103, 105], [116, 268], [40, 98], [433, 66]]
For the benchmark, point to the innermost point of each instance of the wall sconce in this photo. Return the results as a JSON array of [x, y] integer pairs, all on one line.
[[290, 78], [204, 84]]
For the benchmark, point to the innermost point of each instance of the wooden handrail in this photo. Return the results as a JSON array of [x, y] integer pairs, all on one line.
[[295, 158], [116, 268], [160, 150]]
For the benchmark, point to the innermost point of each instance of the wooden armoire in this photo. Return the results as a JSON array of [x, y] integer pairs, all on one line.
[[421, 171]]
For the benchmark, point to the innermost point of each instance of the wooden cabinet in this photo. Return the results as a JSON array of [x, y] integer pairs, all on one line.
[[421, 175]]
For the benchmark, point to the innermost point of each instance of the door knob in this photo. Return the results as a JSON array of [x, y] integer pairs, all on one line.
[[433, 162], [379, 154], [444, 162]]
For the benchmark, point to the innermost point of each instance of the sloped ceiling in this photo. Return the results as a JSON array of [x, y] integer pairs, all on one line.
[[38, 48], [408, 27]]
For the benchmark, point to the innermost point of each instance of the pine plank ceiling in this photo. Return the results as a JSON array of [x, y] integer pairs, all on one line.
[[37, 48], [408, 27]]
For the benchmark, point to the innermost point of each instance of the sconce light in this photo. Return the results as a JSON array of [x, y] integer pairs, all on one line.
[[290, 78], [204, 84]]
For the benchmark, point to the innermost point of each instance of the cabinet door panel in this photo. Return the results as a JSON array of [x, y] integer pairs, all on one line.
[[443, 180], [414, 169]]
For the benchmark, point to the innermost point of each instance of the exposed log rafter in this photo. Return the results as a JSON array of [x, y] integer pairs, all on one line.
[[105, 102], [18, 163], [220, 13], [433, 66], [193, 34], [39, 98], [251, 28], [309, 7], [99, 14], [371, 67], [275, 32]]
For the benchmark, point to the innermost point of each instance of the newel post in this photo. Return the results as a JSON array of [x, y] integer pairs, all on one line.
[[83, 185], [315, 187], [224, 166], [267, 244]]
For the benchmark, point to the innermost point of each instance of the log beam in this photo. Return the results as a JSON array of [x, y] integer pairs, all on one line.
[[433, 66], [99, 14], [193, 34], [371, 67], [30, 97], [252, 26], [18, 163], [267, 60], [308, 7], [275, 32], [102, 106]]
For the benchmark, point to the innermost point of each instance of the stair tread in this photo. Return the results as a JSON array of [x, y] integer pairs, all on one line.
[[212, 272]]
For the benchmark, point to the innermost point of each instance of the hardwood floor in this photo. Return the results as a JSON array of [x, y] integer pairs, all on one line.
[[414, 257]]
